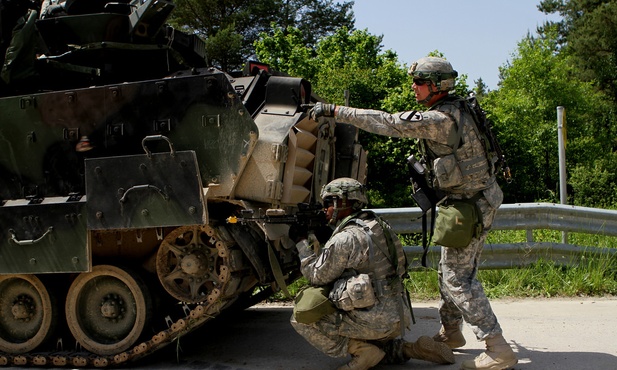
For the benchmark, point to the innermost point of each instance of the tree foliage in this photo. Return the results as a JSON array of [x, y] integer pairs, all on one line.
[[534, 84], [354, 61], [571, 63], [230, 27], [589, 30]]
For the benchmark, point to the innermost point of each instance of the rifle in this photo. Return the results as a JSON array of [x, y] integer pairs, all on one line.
[[426, 197], [310, 215]]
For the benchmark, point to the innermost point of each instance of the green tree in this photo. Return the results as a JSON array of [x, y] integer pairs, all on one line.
[[481, 89], [589, 30], [230, 27], [534, 83], [285, 50], [354, 61]]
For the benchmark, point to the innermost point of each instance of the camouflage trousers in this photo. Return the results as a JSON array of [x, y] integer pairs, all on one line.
[[462, 295], [331, 334]]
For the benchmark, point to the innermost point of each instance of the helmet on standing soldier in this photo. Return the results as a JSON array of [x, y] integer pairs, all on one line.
[[437, 70]]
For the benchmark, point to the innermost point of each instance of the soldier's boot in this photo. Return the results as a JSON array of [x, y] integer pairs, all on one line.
[[450, 335], [364, 355], [425, 348], [498, 356]]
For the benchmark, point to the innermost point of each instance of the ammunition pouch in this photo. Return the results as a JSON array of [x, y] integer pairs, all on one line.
[[448, 171], [311, 304], [458, 221], [353, 292]]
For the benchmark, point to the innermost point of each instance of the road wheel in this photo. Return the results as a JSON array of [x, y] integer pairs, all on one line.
[[107, 309], [27, 313]]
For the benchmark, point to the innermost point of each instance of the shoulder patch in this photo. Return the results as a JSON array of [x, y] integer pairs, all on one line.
[[411, 116]]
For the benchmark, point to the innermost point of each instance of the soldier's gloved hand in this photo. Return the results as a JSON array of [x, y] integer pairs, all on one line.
[[298, 233], [323, 233], [322, 110]]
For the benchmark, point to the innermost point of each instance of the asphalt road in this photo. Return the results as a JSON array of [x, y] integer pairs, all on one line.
[[547, 334]]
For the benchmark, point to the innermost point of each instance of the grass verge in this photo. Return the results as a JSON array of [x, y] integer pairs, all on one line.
[[593, 275]]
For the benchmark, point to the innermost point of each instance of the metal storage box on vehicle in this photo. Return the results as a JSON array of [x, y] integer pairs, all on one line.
[[142, 191], [48, 237]]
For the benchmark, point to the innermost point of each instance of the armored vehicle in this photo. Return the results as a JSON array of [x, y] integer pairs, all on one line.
[[142, 192]]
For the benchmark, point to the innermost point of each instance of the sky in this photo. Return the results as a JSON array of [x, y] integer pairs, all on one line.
[[475, 36]]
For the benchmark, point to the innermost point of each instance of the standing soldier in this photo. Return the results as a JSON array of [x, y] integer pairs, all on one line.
[[362, 265], [461, 169]]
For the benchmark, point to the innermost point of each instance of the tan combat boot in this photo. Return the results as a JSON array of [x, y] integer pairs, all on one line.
[[498, 356], [364, 355], [450, 335], [425, 348]]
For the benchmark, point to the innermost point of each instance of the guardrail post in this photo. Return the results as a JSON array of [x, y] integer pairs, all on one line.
[[561, 141]]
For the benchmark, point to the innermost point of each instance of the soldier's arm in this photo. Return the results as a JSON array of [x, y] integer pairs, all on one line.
[[432, 125], [332, 260]]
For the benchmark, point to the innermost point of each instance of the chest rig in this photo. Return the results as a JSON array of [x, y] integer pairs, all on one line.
[[462, 165]]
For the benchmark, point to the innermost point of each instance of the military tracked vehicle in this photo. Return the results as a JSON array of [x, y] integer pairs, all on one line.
[[123, 156]]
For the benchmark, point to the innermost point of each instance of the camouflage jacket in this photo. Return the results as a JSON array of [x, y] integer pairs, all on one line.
[[437, 128], [347, 250]]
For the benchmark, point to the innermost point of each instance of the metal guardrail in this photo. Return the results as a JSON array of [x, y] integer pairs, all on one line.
[[520, 216]]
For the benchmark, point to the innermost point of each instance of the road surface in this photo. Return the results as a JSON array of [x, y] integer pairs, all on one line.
[[547, 334]]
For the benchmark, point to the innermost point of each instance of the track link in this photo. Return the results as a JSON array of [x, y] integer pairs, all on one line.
[[218, 299], [78, 359]]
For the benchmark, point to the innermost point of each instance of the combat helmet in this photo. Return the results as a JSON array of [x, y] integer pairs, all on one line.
[[437, 70], [348, 190]]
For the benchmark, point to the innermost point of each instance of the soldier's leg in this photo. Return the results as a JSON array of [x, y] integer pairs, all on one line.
[[323, 335], [399, 351], [451, 317], [459, 268]]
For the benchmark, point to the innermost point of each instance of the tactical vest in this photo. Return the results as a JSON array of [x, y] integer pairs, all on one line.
[[388, 267], [461, 165], [391, 263]]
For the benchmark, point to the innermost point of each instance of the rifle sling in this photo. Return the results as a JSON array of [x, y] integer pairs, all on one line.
[[425, 240]]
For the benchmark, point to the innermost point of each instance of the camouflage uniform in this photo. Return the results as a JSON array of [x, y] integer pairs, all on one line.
[[349, 249], [462, 295]]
